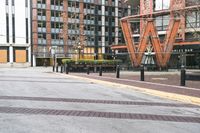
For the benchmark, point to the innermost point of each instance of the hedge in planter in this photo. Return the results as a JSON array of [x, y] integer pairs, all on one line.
[[91, 62]]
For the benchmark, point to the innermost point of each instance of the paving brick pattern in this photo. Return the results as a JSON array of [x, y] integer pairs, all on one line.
[[148, 85], [96, 101], [114, 115]]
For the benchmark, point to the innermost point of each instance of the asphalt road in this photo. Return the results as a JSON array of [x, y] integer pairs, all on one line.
[[35, 100]]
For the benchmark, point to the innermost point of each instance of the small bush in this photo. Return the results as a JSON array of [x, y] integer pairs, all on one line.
[[68, 61], [91, 62]]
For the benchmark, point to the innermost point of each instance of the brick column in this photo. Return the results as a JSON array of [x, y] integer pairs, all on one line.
[[116, 22], [65, 26], [48, 23], [110, 2], [146, 7], [179, 4], [103, 26], [34, 25], [81, 17]]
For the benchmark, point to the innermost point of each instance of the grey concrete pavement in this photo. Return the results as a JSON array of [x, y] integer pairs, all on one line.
[[35, 100]]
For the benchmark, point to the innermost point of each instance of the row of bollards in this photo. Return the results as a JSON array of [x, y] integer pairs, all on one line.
[[117, 71], [62, 69], [142, 76], [66, 69], [182, 77]]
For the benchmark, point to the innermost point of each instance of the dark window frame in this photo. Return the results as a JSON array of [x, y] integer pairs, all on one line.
[[7, 28], [13, 27]]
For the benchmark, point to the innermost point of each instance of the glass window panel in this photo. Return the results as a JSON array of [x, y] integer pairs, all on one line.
[[191, 20], [158, 4], [166, 4], [166, 20], [158, 21], [198, 19]]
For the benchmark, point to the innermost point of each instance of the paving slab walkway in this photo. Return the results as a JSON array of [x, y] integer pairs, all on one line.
[[153, 81], [35, 100]]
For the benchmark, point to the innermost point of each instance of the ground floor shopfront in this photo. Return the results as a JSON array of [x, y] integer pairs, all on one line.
[[187, 56], [15, 56]]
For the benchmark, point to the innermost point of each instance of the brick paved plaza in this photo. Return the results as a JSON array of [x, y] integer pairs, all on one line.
[[35, 100], [163, 77]]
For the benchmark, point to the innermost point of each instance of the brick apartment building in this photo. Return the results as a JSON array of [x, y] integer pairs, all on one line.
[[75, 28]]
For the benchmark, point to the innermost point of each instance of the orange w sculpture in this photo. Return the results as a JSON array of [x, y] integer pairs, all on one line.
[[162, 51]]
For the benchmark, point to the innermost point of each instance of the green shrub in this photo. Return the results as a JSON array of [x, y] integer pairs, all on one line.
[[68, 61], [116, 62], [91, 62]]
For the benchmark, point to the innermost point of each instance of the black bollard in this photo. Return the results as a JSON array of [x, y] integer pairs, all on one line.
[[64, 68], [142, 73], [118, 71], [53, 68], [67, 69], [100, 71], [183, 75], [88, 70], [61, 69], [57, 68]]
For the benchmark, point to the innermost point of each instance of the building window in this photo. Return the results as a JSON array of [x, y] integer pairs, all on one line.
[[73, 4], [41, 1], [41, 12], [161, 4], [42, 36], [135, 26], [7, 2], [41, 24], [192, 2], [27, 30], [13, 27], [58, 2], [162, 22], [193, 19], [26, 3], [52, 2], [7, 28], [13, 2]]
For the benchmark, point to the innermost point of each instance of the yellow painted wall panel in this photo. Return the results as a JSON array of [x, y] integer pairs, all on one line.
[[3, 56], [92, 51], [20, 56], [99, 50]]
